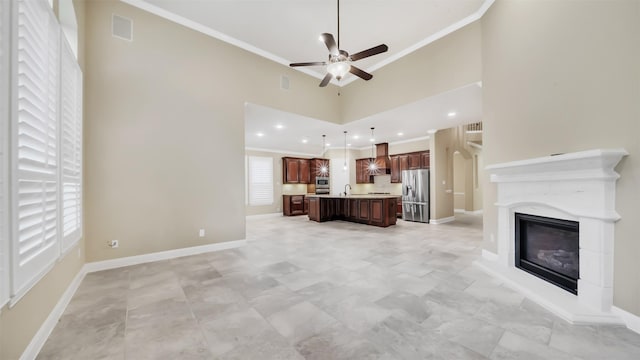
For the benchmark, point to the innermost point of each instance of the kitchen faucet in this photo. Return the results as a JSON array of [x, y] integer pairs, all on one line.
[[345, 189]]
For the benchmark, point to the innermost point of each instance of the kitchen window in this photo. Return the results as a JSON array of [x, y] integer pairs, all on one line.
[[260, 182], [4, 171]]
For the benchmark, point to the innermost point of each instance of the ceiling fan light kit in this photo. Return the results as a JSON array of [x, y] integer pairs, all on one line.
[[339, 63]]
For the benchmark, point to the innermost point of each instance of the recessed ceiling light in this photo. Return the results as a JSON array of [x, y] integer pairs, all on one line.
[[304, 141], [451, 114], [372, 140], [400, 134], [328, 144], [432, 131], [279, 126], [355, 137], [260, 134], [348, 144]]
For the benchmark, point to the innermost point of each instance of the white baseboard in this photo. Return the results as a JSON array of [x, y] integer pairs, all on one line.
[[269, 215], [162, 255], [442, 221], [475, 212], [463, 211], [491, 256], [459, 211], [631, 320], [49, 324], [38, 340]]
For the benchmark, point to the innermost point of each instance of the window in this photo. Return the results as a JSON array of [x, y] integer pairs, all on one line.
[[71, 148], [34, 133], [260, 180], [4, 171]]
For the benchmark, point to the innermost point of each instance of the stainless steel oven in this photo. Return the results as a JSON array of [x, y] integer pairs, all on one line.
[[322, 185]]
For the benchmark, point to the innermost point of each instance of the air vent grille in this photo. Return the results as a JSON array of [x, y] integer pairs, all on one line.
[[121, 27]]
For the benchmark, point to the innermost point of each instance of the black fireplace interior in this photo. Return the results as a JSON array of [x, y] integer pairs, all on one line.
[[549, 249]]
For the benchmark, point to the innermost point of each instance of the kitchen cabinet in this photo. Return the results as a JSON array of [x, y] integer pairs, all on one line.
[[408, 161], [424, 160], [293, 205], [414, 161], [295, 171], [362, 172], [370, 210], [316, 166]]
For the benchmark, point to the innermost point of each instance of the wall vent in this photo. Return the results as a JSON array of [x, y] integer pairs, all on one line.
[[284, 82], [121, 27]]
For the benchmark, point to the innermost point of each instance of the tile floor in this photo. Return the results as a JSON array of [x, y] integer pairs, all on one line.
[[303, 290]]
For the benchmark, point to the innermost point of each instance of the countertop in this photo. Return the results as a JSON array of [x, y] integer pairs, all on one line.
[[356, 196]]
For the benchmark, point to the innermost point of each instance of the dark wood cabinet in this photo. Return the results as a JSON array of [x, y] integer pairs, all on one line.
[[294, 205], [408, 161], [318, 167], [362, 172], [363, 209], [424, 160], [414, 161], [376, 210], [296, 171], [314, 209], [372, 211]]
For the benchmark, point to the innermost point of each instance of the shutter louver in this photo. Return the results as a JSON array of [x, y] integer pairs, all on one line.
[[260, 180], [4, 116], [35, 136], [71, 143]]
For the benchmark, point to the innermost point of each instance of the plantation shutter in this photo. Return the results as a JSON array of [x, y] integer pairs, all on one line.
[[34, 137], [71, 144], [260, 180], [4, 116]]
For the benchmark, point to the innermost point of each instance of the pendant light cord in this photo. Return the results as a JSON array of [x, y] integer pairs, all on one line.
[[338, 24]]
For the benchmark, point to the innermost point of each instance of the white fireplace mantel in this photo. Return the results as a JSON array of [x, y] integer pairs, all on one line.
[[577, 186]]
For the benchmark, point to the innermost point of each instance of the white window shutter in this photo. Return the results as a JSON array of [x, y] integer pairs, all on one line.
[[4, 171], [260, 180], [71, 147], [34, 134]]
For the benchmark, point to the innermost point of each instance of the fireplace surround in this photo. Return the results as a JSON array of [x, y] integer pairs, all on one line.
[[571, 188]]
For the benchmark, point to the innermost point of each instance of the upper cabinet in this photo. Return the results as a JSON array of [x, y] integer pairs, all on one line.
[[319, 167], [296, 171], [362, 172], [409, 161]]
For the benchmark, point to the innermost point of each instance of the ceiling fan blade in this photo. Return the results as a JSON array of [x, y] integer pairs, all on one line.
[[360, 73], [316, 63], [326, 80], [369, 52], [331, 43]]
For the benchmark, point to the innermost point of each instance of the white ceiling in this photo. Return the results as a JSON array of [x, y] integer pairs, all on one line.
[[287, 31], [412, 120]]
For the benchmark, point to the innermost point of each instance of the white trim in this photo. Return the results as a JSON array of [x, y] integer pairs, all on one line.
[[243, 45], [162, 255], [489, 255], [269, 215], [438, 35], [632, 320], [442, 221], [474, 145], [143, 5], [409, 141], [38, 340], [459, 211], [276, 151]]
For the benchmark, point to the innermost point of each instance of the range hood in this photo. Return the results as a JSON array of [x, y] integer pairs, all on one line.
[[383, 162]]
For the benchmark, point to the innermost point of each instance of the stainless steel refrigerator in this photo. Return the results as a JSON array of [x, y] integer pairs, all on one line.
[[415, 195]]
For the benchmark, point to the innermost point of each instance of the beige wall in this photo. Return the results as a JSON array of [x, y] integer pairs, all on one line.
[[459, 182], [165, 132], [20, 323], [446, 64], [563, 76]]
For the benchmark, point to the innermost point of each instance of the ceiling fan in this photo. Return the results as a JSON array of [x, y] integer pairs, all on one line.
[[339, 63]]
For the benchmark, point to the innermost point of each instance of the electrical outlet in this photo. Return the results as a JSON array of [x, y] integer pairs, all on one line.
[[201, 233], [113, 244]]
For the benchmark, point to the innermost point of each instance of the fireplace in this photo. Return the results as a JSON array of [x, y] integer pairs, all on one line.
[[578, 188], [548, 248]]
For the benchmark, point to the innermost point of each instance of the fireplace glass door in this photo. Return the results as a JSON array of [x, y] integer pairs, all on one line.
[[549, 249]]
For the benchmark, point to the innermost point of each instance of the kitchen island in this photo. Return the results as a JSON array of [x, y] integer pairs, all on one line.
[[377, 210]]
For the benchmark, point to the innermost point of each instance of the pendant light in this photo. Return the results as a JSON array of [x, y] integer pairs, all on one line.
[[324, 168], [373, 168], [345, 150]]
